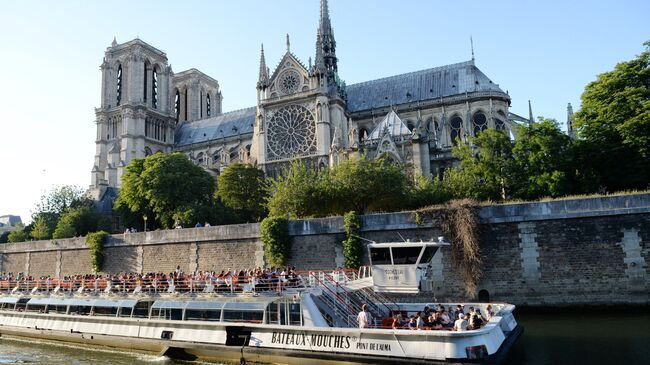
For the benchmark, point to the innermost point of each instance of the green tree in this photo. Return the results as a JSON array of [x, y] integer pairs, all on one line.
[[243, 189], [41, 230], [542, 159], [65, 228], [298, 192], [614, 126], [165, 187], [19, 235], [483, 171]]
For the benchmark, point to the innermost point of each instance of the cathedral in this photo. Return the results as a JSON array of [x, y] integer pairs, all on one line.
[[303, 111]]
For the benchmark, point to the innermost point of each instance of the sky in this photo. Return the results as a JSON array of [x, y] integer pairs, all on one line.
[[50, 52]]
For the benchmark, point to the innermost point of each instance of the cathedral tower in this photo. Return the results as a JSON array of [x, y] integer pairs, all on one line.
[[301, 110], [136, 114]]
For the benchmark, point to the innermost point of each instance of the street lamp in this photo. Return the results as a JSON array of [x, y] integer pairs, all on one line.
[[145, 222]]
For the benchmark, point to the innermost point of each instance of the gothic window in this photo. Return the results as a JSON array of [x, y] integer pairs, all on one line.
[[201, 105], [363, 134], [146, 72], [410, 125], [199, 158], [146, 127], [185, 106], [147, 151], [119, 84], [207, 105], [289, 82], [177, 105], [480, 123], [456, 125], [154, 89], [291, 132], [499, 123]]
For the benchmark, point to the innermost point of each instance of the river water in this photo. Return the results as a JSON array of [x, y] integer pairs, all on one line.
[[617, 336]]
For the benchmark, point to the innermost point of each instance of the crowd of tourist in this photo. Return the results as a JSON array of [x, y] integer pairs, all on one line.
[[438, 318], [176, 281]]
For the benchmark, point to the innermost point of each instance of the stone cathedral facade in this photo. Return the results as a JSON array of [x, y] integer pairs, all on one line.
[[303, 111]]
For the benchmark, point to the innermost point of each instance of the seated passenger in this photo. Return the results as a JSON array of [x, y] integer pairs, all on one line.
[[413, 323], [444, 319], [461, 323], [489, 313]]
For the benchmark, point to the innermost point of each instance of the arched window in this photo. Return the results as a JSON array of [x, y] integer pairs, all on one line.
[[177, 105], [499, 123], [185, 106], [154, 89], [201, 105], [480, 123], [199, 158], [145, 90], [410, 125], [119, 84], [147, 152], [363, 134], [207, 105], [456, 124]]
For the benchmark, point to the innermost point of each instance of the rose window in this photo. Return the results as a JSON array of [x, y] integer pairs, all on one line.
[[289, 82], [291, 132]]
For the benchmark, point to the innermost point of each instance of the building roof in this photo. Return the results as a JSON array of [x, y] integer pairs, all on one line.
[[231, 124], [391, 123], [432, 83]]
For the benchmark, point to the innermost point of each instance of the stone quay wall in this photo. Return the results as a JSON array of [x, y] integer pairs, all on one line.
[[589, 251]]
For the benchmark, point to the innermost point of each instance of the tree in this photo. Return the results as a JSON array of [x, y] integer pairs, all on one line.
[[614, 125], [41, 230], [65, 228], [58, 199], [165, 187], [243, 188], [542, 159], [19, 235], [428, 191], [298, 192], [484, 170]]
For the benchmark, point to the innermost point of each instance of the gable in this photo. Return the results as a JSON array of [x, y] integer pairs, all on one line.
[[289, 77]]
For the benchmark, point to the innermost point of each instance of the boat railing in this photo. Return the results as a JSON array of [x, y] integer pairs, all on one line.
[[138, 285], [342, 307]]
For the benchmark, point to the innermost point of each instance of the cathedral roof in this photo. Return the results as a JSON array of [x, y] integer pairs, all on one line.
[[391, 124], [231, 124], [432, 83]]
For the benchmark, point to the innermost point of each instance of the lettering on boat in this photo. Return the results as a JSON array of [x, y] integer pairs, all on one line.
[[373, 346], [314, 340]]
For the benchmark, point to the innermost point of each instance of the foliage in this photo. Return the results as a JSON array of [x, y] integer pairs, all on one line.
[[41, 229], [165, 186], [614, 126], [460, 223], [4, 237], [65, 228], [352, 247], [429, 191], [95, 242], [58, 199], [298, 192], [19, 235], [242, 188], [274, 232]]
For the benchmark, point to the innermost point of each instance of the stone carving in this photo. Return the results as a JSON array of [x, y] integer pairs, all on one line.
[[291, 132]]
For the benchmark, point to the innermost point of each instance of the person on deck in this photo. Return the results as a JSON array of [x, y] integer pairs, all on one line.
[[363, 317], [461, 323]]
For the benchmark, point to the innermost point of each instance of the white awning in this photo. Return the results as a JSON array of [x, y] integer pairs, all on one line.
[[205, 305], [168, 304], [245, 306], [9, 300]]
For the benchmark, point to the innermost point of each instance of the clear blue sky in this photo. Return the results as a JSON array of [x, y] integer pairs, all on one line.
[[545, 51]]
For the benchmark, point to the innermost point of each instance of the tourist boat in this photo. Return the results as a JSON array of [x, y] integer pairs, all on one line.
[[307, 318]]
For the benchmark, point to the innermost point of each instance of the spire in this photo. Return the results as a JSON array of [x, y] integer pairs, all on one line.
[[263, 80], [326, 61], [288, 44], [569, 121], [530, 113], [114, 42], [471, 44]]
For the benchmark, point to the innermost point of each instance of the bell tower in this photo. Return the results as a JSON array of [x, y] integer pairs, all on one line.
[[135, 117]]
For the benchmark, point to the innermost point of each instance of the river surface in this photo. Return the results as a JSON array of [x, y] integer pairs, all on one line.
[[617, 336]]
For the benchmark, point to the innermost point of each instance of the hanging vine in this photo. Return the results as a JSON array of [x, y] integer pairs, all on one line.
[[352, 248], [459, 221], [95, 242], [274, 232]]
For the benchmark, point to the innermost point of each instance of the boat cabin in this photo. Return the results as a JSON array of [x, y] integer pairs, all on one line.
[[398, 267]]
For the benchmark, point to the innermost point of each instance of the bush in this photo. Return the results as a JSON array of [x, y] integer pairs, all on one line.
[[352, 247], [95, 242], [274, 232]]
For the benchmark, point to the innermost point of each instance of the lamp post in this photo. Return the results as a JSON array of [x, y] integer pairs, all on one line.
[[145, 222]]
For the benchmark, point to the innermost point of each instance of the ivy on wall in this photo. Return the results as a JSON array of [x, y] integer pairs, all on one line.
[[352, 248], [459, 221], [274, 232], [95, 242]]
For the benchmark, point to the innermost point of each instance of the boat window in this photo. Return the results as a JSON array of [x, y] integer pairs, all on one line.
[[79, 309], [36, 308], [406, 255], [380, 256], [141, 309], [125, 312], [429, 251], [202, 315], [61, 309], [243, 316], [21, 304], [295, 314], [106, 311], [167, 313], [272, 313]]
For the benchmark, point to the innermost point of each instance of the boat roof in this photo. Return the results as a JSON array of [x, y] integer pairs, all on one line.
[[409, 244]]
